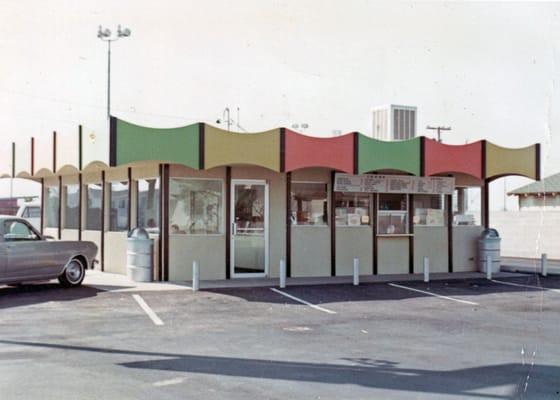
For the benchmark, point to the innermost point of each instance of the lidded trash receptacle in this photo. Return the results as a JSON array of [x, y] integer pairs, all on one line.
[[139, 255], [489, 245]]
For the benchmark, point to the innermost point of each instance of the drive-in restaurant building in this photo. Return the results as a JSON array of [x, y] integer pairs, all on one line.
[[240, 202]]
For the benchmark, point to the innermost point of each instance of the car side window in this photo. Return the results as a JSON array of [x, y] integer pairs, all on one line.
[[16, 231]]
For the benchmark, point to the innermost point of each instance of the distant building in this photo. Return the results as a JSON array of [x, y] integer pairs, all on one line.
[[541, 194], [393, 122]]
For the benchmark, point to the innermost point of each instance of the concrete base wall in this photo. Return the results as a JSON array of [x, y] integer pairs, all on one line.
[[354, 242], [430, 241], [393, 255], [115, 252], [465, 242]]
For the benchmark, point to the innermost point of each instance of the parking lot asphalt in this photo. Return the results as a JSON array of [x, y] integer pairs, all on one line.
[[445, 339]]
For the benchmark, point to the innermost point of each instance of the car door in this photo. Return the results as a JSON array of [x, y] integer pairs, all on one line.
[[27, 255]]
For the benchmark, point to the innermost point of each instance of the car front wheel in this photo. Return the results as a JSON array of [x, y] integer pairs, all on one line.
[[74, 274]]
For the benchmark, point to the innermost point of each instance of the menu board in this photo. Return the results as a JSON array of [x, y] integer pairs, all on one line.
[[393, 184]]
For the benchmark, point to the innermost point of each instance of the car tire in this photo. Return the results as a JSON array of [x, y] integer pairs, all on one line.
[[73, 274]]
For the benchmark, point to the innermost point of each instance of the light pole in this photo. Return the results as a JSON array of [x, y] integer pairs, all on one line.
[[106, 36], [439, 129]]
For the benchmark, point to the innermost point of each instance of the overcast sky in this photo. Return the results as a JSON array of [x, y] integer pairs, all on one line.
[[489, 70]]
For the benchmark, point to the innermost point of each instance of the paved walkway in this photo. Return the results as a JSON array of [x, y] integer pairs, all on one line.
[[121, 283]]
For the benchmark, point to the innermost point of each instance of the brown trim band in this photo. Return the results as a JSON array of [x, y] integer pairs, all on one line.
[[538, 162], [333, 226], [228, 222], [375, 246], [102, 242], [80, 206], [356, 140], [129, 211], [449, 207], [201, 145], [411, 231], [60, 207], [80, 148], [54, 152], [283, 150], [422, 155], [289, 224], [42, 205], [165, 224], [113, 142]]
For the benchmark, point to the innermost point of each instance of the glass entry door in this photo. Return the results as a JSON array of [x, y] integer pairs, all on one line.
[[249, 228]]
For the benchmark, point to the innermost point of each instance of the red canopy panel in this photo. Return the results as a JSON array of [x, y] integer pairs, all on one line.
[[441, 158], [305, 151]]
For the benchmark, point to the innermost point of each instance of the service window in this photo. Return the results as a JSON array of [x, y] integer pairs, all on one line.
[[392, 214], [429, 210], [118, 201], [52, 201], [147, 204], [196, 206], [94, 198], [466, 206], [71, 206], [309, 203], [352, 209]]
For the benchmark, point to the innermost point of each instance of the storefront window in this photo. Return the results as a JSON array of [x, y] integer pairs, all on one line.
[[429, 210], [94, 193], [309, 203], [352, 209], [148, 205], [71, 206], [52, 201], [118, 200], [466, 206], [195, 206], [393, 214]]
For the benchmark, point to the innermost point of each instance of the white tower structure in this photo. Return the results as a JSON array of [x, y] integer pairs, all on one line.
[[394, 122]]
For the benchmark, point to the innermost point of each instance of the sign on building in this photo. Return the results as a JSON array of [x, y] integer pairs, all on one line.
[[393, 184]]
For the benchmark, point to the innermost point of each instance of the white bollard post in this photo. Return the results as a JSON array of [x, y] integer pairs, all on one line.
[[282, 273], [544, 264], [356, 271], [195, 276], [426, 269], [488, 267]]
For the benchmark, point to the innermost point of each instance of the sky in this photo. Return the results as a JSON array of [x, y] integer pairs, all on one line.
[[488, 70]]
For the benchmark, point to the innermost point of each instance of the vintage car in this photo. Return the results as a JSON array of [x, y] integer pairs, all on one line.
[[26, 256]]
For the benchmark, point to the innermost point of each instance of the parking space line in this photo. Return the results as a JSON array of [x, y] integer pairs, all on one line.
[[472, 303], [526, 286], [316, 307], [153, 316]]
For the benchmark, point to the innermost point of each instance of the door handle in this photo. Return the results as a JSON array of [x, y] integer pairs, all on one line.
[[233, 228]]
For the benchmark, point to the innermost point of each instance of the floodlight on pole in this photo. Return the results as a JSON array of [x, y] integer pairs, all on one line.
[[106, 35]]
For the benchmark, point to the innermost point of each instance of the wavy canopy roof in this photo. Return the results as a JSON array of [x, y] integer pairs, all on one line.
[[201, 146]]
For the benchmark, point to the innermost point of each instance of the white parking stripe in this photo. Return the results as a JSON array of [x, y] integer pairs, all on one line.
[[527, 286], [472, 303], [155, 319], [316, 307]]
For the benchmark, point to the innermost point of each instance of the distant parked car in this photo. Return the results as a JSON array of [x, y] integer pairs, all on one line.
[[31, 211], [26, 256]]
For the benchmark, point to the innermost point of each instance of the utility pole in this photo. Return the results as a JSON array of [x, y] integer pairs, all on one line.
[[439, 129]]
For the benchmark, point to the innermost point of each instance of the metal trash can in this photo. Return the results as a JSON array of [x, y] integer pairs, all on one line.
[[489, 245], [139, 255]]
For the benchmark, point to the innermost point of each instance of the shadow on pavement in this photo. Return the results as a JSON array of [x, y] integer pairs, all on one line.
[[28, 294], [371, 373], [326, 294]]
